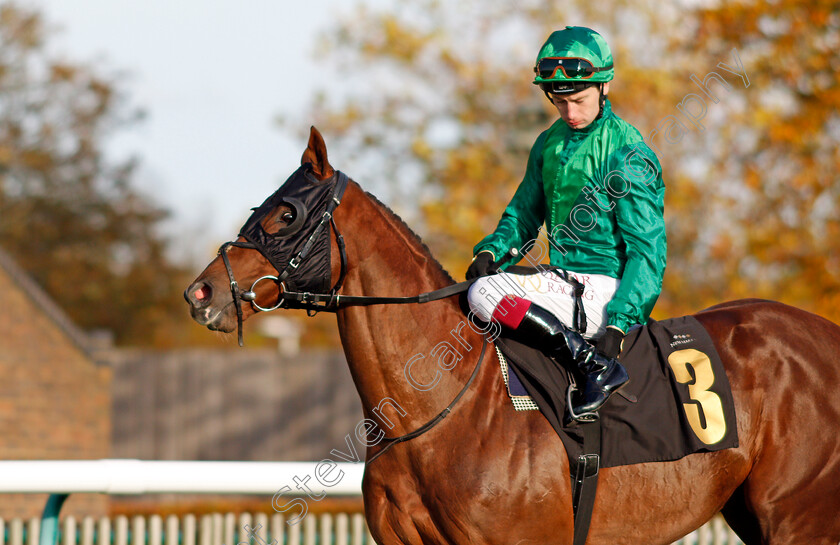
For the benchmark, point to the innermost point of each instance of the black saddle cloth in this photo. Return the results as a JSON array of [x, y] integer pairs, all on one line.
[[675, 412]]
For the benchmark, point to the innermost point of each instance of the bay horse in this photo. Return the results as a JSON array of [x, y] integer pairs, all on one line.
[[489, 474]]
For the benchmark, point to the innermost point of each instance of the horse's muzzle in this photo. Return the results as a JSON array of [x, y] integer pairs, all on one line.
[[200, 296]]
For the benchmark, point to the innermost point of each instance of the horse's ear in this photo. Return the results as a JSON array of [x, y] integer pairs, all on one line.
[[316, 155]]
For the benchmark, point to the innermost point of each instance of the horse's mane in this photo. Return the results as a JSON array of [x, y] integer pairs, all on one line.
[[412, 234]]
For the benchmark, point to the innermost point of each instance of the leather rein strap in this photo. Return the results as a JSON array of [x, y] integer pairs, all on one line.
[[391, 441], [332, 302]]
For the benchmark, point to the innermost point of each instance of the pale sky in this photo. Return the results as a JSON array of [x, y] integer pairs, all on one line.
[[213, 77]]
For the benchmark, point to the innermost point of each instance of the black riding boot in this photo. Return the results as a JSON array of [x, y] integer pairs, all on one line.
[[542, 329]]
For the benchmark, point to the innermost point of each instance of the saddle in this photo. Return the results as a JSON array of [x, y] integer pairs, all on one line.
[[678, 400]]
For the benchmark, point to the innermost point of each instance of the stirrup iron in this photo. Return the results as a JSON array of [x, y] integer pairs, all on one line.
[[582, 417]]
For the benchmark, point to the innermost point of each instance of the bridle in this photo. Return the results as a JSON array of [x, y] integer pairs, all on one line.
[[317, 302], [327, 221]]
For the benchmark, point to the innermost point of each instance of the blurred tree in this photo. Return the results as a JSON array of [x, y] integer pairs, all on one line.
[[776, 156], [69, 216], [441, 112], [437, 114]]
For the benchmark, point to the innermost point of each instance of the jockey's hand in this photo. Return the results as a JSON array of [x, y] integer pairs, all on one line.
[[609, 344], [482, 265]]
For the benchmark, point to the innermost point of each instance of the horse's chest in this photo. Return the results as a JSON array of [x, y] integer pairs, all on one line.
[[454, 503]]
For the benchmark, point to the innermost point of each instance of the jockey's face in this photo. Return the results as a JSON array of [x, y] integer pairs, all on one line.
[[579, 109]]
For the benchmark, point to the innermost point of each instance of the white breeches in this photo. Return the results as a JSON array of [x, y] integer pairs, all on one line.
[[550, 291]]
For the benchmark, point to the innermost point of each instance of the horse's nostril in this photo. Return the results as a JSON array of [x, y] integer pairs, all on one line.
[[199, 294], [202, 293]]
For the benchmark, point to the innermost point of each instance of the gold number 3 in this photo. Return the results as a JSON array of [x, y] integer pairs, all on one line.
[[709, 402]]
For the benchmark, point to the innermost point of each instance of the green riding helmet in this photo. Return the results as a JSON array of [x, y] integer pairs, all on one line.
[[572, 59]]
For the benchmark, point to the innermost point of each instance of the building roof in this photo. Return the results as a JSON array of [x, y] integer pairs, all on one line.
[[49, 307]]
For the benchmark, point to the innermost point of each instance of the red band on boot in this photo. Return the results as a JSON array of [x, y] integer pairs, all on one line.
[[510, 311]]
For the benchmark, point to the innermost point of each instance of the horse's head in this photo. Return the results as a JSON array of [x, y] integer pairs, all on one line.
[[284, 246]]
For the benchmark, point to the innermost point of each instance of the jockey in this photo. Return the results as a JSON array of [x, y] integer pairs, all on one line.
[[598, 188]]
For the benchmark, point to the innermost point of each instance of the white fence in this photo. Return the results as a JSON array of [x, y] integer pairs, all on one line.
[[216, 529], [229, 529], [142, 477], [157, 477]]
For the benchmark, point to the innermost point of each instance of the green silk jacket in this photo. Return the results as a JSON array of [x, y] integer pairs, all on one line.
[[600, 193]]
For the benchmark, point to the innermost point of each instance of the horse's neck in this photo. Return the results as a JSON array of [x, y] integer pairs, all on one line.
[[386, 259]]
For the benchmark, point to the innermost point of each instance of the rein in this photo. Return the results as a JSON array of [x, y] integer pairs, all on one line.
[[327, 302], [333, 302], [391, 441]]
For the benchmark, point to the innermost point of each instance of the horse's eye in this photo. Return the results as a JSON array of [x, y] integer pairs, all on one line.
[[288, 216]]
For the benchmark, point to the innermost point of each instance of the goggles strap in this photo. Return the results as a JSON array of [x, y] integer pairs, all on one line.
[[602, 100]]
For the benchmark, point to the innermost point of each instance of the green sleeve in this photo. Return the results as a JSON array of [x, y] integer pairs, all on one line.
[[640, 218], [521, 220]]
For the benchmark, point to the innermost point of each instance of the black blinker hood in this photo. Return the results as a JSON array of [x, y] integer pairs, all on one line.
[[308, 198]]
